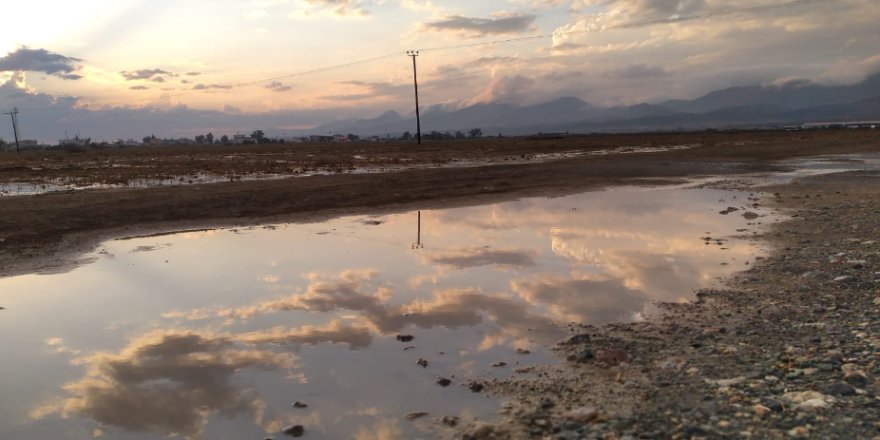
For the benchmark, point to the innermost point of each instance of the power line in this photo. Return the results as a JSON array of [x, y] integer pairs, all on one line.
[[629, 25]]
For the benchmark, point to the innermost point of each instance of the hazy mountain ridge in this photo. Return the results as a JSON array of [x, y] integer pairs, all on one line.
[[794, 102]]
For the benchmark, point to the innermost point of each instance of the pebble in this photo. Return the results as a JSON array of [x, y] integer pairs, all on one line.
[[443, 382], [450, 420], [499, 364], [582, 414], [295, 431], [799, 432], [299, 404], [405, 338], [415, 415], [479, 432], [476, 387], [422, 362]]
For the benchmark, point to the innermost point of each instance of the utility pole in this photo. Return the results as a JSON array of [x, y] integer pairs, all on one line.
[[14, 115], [414, 54]]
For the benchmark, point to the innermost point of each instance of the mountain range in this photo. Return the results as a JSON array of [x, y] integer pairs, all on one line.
[[792, 103]]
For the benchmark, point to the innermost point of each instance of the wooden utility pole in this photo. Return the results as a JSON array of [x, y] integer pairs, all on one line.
[[414, 54], [14, 115]]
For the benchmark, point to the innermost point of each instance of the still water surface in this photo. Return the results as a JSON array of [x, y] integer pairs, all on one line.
[[214, 334]]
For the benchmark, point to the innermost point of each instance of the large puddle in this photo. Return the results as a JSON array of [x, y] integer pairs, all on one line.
[[214, 334]]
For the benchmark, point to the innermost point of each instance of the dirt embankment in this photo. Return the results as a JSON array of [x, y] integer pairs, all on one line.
[[790, 350], [42, 233]]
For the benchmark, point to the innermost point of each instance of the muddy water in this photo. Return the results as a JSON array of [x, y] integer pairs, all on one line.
[[214, 334]]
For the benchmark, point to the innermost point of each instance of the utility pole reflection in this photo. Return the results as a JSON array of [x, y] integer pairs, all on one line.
[[418, 244]]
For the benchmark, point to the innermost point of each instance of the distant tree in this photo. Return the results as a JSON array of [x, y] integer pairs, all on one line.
[[224, 140], [258, 136], [406, 136], [353, 137], [459, 134], [200, 139], [209, 138], [475, 132]]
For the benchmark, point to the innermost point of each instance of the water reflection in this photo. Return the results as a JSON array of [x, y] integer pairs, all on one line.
[[166, 383], [215, 333]]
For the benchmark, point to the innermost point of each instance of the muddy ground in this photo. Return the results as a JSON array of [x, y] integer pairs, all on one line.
[[789, 349], [46, 232]]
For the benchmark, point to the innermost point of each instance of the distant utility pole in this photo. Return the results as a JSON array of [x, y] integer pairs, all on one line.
[[14, 115], [414, 54]]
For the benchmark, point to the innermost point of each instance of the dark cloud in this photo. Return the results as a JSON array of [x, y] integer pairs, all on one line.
[[638, 71], [139, 88], [155, 75], [201, 86], [167, 383], [475, 257], [40, 60], [193, 73], [479, 27], [276, 86]]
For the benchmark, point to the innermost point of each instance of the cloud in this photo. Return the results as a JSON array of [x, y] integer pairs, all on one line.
[[155, 75], [593, 301], [276, 86], [470, 27], [24, 59], [370, 90], [338, 8], [167, 383], [335, 333], [508, 89], [139, 88], [463, 258]]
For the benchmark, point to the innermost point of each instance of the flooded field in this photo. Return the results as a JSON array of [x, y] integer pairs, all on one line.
[[217, 333]]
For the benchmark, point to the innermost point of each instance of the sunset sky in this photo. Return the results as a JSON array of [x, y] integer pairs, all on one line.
[[126, 68]]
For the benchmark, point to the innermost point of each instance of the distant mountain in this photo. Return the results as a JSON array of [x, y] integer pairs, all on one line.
[[794, 102]]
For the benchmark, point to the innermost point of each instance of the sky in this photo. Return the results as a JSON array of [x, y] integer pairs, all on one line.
[[112, 69]]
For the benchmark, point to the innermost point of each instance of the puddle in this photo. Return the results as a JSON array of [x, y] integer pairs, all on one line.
[[216, 333], [803, 167]]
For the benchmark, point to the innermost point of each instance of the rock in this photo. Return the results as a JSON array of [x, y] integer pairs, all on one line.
[[499, 364], [415, 415], [840, 389], [546, 403], [799, 432], [299, 404], [405, 338], [728, 210], [772, 404], [450, 420], [476, 387], [749, 215], [612, 357], [582, 414], [842, 278], [295, 431], [761, 410], [522, 351], [582, 356], [771, 379], [582, 338], [857, 378], [443, 382], [812, 404], [479, 432], [422, 362], [796, 397], [727, 382]]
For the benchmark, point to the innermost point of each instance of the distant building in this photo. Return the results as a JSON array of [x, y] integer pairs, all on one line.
[[842, 124], [75, 141], [239, 139]]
